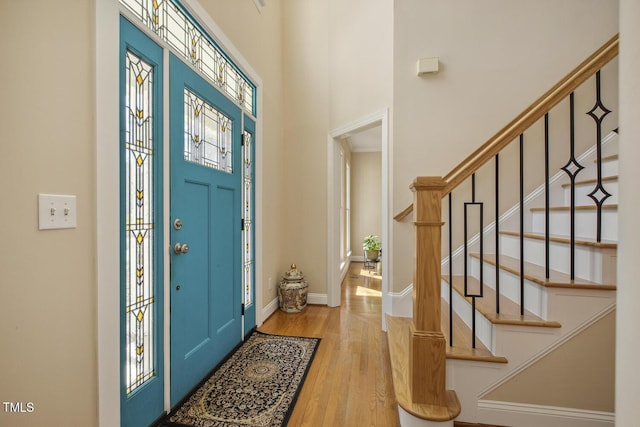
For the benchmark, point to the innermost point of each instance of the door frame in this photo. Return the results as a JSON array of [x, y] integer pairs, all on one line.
[[107, 41], [334, 274]]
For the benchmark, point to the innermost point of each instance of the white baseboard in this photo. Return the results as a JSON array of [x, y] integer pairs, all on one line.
[[270, 308], [317, 299], [402, 302], [528, 415], [410, 420]]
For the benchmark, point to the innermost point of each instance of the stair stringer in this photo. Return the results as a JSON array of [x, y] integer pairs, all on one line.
[[575, 309]]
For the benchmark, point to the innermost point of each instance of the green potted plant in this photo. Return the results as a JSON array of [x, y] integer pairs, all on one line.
[[371, 246]]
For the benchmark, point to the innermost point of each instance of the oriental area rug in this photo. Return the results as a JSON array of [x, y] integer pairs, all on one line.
[[256, 386]]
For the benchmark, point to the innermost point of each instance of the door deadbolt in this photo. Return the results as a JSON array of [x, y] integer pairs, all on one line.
[[177, 224], [181, 248]]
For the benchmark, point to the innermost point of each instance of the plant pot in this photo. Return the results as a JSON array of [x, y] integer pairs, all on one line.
[[372, 255]]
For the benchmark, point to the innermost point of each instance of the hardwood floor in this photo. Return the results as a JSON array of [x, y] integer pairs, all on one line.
[[349, 382]]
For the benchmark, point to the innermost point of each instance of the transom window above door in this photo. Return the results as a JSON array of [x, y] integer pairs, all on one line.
[[173, 24]]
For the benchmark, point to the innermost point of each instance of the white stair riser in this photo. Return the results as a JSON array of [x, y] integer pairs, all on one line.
[[610, 167], [588, 260], [582, 191], [535, 296], [585, 222], [463, 308]]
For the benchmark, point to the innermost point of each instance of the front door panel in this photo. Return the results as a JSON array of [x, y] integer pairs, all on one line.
[[206, 282]]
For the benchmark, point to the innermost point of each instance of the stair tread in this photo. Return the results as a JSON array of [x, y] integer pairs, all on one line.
[[563, 239], [591, 181], [509, 310], [607, 158], [578, 208], [462, 348], [537, 274]]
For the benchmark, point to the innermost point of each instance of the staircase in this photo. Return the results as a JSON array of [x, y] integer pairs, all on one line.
[[556, 308], [520, 289]]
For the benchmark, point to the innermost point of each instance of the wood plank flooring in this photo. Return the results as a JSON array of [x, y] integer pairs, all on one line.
[[349, 382]]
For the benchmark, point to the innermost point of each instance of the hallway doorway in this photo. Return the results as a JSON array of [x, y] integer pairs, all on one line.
[[336, 268]]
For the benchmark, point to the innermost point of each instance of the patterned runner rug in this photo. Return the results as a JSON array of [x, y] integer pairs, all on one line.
[[257, 386]]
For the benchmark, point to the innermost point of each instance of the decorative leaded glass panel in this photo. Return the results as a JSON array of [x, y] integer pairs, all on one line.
[[168, 20], [207, 134], [247, 233], [139, 223]]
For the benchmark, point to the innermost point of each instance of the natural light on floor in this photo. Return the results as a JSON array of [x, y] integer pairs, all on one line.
[[371, 273], [366, 292]]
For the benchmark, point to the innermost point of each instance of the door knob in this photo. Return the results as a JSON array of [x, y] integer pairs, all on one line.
[[181, 248]]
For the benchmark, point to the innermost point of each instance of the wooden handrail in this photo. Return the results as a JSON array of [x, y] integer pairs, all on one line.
[[528, 117], [532, 114], [402, 215]]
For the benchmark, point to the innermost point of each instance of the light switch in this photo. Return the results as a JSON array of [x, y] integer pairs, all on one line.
[[56, 211]]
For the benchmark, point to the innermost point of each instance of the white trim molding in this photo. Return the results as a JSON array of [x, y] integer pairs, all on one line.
[[402, 302], [274, 305], [270, 308], [528, 415], [317, 299]]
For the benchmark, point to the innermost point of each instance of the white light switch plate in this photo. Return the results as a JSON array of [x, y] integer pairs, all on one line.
[[56, 211]]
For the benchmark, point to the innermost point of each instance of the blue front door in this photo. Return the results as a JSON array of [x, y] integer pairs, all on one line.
[[206, 257]]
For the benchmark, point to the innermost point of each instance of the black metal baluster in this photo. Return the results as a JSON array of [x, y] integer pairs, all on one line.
[[450, 273], [466, 283], [522, 224], [497, 233], [599, 194], [572, 168], [546, 195]]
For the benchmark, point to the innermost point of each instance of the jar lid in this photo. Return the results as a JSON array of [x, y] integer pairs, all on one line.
[[293, 274]]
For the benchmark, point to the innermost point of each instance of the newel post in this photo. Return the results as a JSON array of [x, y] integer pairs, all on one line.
[[427, 345]]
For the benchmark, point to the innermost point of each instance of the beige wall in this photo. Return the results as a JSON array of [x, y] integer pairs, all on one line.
[[496, 57], [306, 122], [578, 374], [360, 62], [366, 198], [328, 71], [47, 289], [628, 315], [337, 69], [259, 39]]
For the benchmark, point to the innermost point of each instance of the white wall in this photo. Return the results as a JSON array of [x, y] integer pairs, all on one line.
[[496, 57], [628, 316]]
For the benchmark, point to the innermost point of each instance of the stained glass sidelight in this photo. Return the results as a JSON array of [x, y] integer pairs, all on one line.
[[207, 134], [175, 26], [139, 222], [247, 215]]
